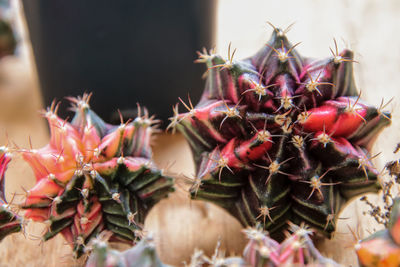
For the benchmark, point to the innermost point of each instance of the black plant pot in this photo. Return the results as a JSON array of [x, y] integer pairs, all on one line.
[[122, 51]]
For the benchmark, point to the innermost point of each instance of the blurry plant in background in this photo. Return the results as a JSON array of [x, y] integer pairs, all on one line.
[[8, 42]]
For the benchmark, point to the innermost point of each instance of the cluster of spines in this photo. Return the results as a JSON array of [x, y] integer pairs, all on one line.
[[280, 137]]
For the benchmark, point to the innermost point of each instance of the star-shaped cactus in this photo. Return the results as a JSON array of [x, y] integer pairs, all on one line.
[[10, 222], [93, 176], [278, 136]]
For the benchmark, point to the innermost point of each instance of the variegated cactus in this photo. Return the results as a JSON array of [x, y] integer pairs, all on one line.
[[280, 137], [93, 176]]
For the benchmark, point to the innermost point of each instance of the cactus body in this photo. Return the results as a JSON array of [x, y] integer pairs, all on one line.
[[280, 137], [94, 176]]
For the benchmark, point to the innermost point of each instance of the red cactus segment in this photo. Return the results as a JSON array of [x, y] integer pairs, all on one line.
[[39, 215], [342, 117], [10, 222], [93, 176], [280, 130], [45, 189], [4, 160], [86, 220]]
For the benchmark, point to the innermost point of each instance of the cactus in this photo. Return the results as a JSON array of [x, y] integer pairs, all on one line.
[[383, 247], [296, 250], [278, 137], [10, 222], [143, 254], [263, 251], [93, 176]]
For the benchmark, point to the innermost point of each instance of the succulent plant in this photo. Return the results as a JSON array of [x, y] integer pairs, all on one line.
[[278, 137], [10, 222], [143, 254], [93, 176], [383, 247]]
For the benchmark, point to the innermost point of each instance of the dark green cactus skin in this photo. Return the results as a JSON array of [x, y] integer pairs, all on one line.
[[280, 137]]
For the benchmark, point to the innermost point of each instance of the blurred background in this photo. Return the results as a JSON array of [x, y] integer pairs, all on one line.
[[143, 51], [126, 52]]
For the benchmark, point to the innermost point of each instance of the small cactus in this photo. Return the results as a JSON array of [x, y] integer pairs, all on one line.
[[263, 251], [280, 137], [94, 176], [296, 250], [143, 254]]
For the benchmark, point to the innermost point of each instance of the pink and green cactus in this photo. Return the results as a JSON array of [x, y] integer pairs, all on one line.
[[93, 176], [278, 136], [10, 222]]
